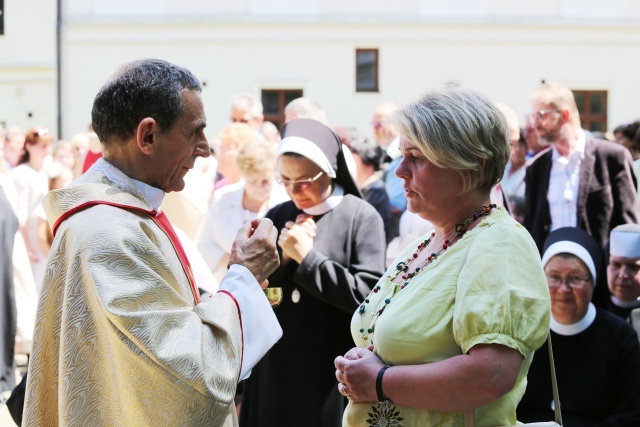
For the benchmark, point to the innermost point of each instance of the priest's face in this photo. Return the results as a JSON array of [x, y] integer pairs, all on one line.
[[297, 174], [570, 288], [178, 148], [623, 277]]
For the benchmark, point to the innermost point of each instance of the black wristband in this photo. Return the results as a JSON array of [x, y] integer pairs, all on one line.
[[379, 392]]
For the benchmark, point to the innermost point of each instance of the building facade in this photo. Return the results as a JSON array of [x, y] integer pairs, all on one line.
[[347, 55]]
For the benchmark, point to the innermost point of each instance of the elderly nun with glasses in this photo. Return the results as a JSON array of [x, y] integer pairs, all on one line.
[[332, 252], [597, 355]]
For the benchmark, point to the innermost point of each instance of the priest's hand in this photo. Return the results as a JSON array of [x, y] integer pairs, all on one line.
[[255, 248]]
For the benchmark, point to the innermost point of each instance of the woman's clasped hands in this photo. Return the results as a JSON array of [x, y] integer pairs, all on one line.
[[296, 239], [356, 373]]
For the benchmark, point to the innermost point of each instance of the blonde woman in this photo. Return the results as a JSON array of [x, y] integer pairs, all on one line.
[[452, 325], [249, 198]]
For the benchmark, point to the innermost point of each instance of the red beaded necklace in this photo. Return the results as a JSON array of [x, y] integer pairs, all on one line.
[[403, 266]]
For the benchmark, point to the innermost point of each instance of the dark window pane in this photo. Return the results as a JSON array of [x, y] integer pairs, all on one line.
[[270, 102], [579, 101], [275, 100], [596, 104], [1, 17], [290, 95], [592, 105], [596, 126], [367, 70]]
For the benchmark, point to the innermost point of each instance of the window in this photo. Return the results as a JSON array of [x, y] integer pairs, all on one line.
[[592, 106], [274, 101], [1, 17], [367, 70]]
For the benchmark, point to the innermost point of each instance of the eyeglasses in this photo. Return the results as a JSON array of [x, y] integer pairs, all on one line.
[[302, 184], [540, 114], [574, 282]]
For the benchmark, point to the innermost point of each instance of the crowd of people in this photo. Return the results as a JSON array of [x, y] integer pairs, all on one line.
[[422, 269]]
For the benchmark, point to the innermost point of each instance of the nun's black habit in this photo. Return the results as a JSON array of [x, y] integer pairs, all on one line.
[[295, 384]]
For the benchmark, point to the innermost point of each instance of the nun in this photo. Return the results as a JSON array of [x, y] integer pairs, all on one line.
[[597, 354], [332, 252], [623, 273]]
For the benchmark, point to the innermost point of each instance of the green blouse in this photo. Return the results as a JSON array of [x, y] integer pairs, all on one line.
[[487, 288]]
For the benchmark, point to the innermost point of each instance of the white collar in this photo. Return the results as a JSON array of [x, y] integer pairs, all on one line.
[[578, 149], [329, 203], [154, 195], [575, 328], [625, 304], [393, 149]]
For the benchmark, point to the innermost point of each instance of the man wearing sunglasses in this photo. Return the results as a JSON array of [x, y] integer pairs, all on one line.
[[580, 181]]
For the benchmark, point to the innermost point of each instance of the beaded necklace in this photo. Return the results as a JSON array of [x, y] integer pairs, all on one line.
[[403, 267]]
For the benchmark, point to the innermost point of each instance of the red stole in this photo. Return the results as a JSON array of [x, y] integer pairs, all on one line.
[[161, 221]]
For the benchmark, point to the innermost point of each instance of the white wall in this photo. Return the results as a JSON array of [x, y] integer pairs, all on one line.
[[27, 64], [504, 60], [503, 48]]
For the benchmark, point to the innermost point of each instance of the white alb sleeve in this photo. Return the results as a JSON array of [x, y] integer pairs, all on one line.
[[260, 327]]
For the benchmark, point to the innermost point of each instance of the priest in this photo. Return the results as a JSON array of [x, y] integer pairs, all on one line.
[[122, 335]]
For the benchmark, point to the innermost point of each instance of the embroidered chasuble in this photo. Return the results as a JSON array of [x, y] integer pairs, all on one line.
[[114, 343]]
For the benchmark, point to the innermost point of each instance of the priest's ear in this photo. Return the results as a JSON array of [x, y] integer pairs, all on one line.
[[145, 134]]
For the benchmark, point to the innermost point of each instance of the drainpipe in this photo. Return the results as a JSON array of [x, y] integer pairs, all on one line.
[[59, 66]]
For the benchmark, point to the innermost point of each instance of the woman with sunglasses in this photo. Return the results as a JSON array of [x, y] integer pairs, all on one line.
[[332, 247]]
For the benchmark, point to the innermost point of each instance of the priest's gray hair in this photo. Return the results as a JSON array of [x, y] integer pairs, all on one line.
[[140, 89], [458, 129]]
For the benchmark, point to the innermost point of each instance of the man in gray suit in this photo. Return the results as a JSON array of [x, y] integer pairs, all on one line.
[[580, 181]]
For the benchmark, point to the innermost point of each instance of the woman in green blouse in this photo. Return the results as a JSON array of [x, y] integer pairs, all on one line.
[[452, 325]]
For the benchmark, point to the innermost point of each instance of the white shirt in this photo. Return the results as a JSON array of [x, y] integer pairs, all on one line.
[[224, 218], [564, 182], [393, 149]]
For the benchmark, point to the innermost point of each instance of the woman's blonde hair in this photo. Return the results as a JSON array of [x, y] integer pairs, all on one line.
[[237, 134], [458, 129], [256, 157]]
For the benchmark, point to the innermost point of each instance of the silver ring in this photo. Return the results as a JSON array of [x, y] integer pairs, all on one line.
[[344, 390]]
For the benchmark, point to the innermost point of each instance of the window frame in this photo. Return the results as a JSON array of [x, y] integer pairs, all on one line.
[[376, 67], [278, 119], [586, 117]]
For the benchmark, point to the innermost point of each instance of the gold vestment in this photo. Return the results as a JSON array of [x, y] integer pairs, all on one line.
[[119, 340]]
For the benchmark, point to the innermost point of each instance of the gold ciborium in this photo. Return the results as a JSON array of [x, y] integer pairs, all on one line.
[[274, 295]]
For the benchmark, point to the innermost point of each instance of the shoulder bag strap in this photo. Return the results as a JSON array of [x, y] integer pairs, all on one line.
[[469, 416]]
